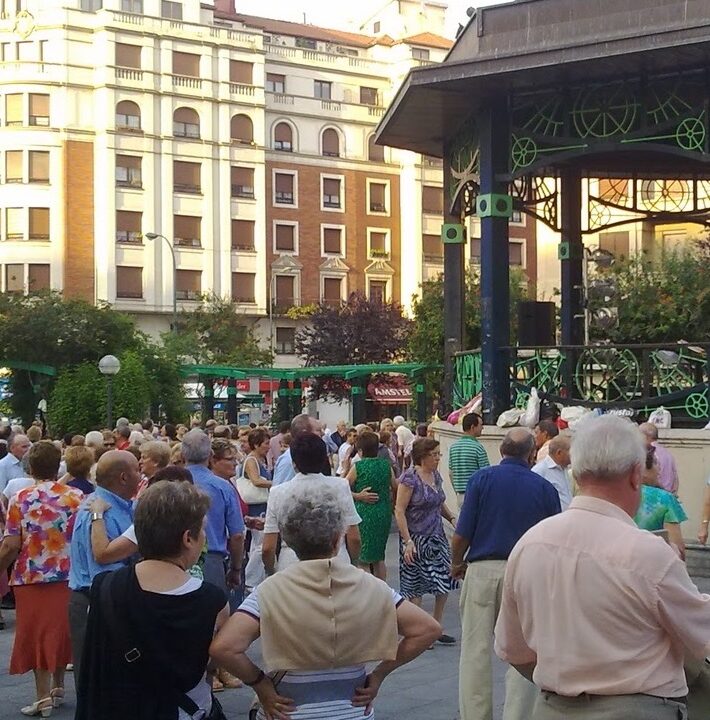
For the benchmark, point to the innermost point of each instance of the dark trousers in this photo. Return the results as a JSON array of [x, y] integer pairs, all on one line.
[[78, 616]]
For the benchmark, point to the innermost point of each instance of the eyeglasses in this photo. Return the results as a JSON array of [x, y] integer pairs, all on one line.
[[109, 444]]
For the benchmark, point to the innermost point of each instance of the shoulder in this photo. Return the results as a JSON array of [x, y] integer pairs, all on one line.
[[214, 597], [410, 478]]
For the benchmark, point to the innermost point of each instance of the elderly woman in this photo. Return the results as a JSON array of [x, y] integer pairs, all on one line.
[[310, 619], [39, 524], [154, 455], [79, 460], [425, 554], [150, 625]]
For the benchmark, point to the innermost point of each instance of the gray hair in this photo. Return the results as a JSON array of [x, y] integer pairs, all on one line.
[[121, 421], [196, 446], [517, 443], [302, 424], [560, 442], [311, 521], [606, 447], [94, 438], [649, 430]]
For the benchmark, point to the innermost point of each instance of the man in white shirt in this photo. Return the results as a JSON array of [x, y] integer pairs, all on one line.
[[405, 437], [11, 464], [13, 487], [554, 468], [344, 453]]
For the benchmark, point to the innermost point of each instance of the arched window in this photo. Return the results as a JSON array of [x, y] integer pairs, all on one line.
[[128, 115], [186, 123], [283, 137], [242, 129], [330, 143], [375, 153]]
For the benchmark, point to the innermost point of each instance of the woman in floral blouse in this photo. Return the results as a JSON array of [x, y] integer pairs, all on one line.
[[40, 519]]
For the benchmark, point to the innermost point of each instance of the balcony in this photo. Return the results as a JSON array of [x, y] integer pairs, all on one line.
[[187, 189], [283, 198], [378, 207], [243, 247], [379, 254], [130, 74], [331, 106], [187, 294], [241, 89], [186, 81], [317, 58], [331, 201], [187, 242], [281, 305], [243, 191], [128, 237]]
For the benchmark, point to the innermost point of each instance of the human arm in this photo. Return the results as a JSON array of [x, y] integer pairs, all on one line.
[[12, 541], [251, 470], [229, 648], [675, 537], [234, 524], [235, 547], [418, 630], [353, 542], [268, 551], [364, 495], [404, 496], [465, 529], [107, 551], [448, 515], [703, 532]]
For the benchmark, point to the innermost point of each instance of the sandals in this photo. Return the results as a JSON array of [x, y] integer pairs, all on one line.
[[41, 708], [57, 695]]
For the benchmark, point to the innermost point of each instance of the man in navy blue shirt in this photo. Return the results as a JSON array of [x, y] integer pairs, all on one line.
[[501, 504]]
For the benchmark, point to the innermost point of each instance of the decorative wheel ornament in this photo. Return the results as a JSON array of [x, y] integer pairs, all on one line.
[[608, 375], [605, 111], [521, 400], [665, 195], [523, 152], [697, 405], [599, 215], [690, 134]]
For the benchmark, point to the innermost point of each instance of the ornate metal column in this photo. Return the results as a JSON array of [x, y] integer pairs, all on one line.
[[357, 400], [494, 207], [232, 401], [208, 400], [571, 254], [296, 392], [284, 404]]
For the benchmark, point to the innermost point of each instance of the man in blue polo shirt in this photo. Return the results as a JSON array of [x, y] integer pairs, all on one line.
[[117, 478], [502, 503]]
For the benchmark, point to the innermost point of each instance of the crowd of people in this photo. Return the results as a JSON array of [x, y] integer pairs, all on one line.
[[164, 553]]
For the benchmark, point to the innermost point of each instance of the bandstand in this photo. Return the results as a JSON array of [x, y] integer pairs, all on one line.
[[584, 116]]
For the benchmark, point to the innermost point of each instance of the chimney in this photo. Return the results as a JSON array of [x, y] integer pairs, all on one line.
[[225, 6]]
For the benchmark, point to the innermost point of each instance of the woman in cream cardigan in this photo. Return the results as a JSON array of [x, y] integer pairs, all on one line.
[[311, 670]]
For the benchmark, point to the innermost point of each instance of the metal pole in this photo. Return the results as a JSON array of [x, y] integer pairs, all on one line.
[[109, 402]]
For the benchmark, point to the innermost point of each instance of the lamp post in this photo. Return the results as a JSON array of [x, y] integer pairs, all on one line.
[[153, 236], [109, 365]]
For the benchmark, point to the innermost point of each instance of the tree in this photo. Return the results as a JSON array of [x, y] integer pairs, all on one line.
[[359, 332]]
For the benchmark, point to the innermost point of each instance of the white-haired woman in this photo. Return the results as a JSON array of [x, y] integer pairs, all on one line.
[[314, 671]]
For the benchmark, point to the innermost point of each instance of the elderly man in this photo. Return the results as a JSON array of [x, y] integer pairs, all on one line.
[[405, 437], [11, 464], [501, 504], [275, 443], [225, 525], [667, 470], [599, 613], [284, 471], [117, 478], [545, 430], [467, 455], [554, 469]]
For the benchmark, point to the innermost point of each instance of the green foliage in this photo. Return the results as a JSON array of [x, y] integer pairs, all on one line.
[[426, 340]]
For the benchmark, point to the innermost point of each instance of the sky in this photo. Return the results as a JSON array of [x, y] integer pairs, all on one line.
[[335, 13]]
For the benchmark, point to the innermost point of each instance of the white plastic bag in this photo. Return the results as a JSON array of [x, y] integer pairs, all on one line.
[[573, 414], [531, 416], [661, 418], [509, 418]]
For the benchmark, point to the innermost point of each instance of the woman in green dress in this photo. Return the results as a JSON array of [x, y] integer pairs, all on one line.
[[373, 486]]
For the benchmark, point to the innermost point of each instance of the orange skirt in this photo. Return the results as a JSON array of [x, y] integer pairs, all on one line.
[[42, 628]]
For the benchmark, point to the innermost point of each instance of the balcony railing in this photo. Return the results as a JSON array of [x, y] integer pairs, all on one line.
[[243, 191], [187, 294], [123, 73], [187, 242], [187, 188], [241, 89], [282, 304], [244, 247], [187, 81], [129, 237]]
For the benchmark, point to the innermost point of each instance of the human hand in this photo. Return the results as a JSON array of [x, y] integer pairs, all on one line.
[[275, 706], [254, 523], [366, 496], [458, 570], [703, 534], [365, 695], [234, 578], [410, 551], [98, 505]]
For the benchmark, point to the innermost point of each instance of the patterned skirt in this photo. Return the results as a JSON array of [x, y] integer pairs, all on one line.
[[430, 571]]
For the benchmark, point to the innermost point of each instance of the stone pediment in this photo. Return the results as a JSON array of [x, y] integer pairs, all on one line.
[[334, 265], [379, 267], [286, 263]]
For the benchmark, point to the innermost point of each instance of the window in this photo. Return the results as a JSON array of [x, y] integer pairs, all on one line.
[[128, 56], [379, 247], [132, 6], [331, 193], [39, 110], [420, 54], [243, 182], [283, 137], [430, 161], [615, 242], [378, 291], [432, 200], [186, 123], [6, 51], [517, 218], [368, 96], [39, 223], [330, 143], [375, 153], [333, 241], [475, 250], [285, 340], [128, 171], [26, 51], [129, 227], [321, 89], [14, 224], [172, 10], [242, 129], [285, 287], [283, 189], [186, 64], [241, 72], [39, 166], [91, 5], [37, 277], [307, 43], [186, 231], [243, 287], [188, 284], [186, 177], [275, 83], [332, 291], [378, 197], [242, 235], [13, 166], [14, 278], [432, 247], [129, 282], [515, 253], [128, 116], [284, 238], [13, 109]]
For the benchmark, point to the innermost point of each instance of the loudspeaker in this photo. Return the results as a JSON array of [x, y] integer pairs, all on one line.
[[536, 323]]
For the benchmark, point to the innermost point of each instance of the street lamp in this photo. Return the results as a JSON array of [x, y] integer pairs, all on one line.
[[153, 236], [109, 365]]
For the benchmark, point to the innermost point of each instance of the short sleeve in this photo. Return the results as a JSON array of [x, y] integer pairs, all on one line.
[[271, 520], [234, 519], [250, 606], [351, 514], [130, 534], [674, 510], [409, 479], [13, 524]]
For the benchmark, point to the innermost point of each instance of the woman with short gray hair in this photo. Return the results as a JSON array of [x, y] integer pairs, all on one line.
[[321, 672]]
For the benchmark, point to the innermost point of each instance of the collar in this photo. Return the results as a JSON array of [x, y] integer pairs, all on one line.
[[601, 507], [514, 461], [548, 462], [308, 476], [198, 468], [114, 499], [465, 436]]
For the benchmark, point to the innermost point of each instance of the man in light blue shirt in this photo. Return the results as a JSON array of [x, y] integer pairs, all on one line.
[[284, 471], [117, 478], [11, 464], [554, 469]]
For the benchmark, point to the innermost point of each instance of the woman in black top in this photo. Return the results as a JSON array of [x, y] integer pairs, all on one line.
[[150, 625]]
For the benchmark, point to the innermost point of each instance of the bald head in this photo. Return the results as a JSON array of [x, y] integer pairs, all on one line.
[[559, 450], [117, 471], [518, 444]]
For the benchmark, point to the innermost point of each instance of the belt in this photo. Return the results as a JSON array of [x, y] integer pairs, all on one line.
[[85, 591], [683, 699]]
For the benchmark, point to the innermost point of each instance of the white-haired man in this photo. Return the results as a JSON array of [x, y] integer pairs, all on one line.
[[597, 612]]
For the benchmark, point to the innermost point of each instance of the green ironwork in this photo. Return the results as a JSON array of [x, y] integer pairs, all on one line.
[[348, 372], [494, 205], [30, 367]]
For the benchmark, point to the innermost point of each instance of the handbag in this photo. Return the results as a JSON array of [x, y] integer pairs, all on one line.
[[248, 492]]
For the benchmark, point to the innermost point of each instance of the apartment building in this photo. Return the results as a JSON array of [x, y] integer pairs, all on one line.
[[242, 146]]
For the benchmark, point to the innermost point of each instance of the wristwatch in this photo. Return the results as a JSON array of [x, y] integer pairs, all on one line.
[[96, 516]]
